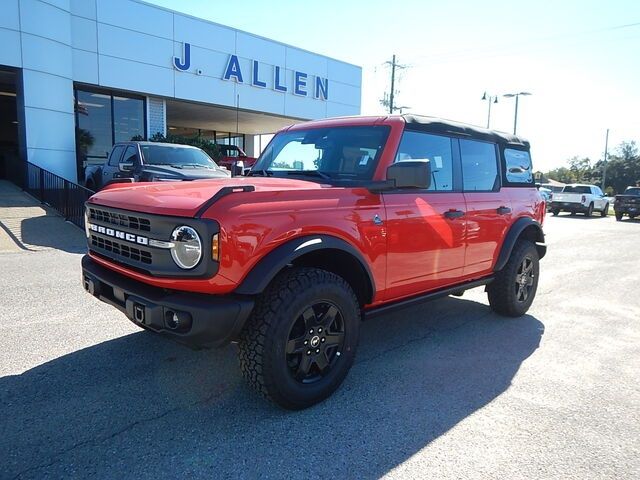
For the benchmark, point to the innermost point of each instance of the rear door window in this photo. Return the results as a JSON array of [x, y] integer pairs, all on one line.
[[479, 166]]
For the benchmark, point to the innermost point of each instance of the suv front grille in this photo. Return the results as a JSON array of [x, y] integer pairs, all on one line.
[[122, 250], [127, 221]]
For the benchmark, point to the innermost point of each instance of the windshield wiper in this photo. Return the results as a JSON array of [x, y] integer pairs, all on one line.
[[310, 173]]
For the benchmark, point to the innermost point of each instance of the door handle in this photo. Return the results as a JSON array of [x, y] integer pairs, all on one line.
[[453, 214], [503, 210]]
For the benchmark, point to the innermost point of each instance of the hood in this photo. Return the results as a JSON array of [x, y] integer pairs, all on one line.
[[184, 199], [149, 172]]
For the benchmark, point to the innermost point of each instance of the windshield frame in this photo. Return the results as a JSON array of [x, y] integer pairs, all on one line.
[[317, 174], [178, 147]]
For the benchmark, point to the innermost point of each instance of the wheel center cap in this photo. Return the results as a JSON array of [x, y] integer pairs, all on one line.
[[315, 341]]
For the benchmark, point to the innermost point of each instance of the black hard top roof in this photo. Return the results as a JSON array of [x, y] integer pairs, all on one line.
[[448, 127]]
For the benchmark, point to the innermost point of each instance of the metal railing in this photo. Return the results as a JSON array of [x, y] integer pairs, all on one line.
[[66, 197]]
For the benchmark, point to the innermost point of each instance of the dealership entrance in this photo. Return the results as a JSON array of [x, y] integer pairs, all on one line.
[[247, 130], [10, 163]]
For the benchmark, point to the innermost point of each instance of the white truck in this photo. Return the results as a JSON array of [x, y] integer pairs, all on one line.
[[581, 198]]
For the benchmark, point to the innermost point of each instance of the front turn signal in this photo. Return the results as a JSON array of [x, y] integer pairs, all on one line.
[[215, 247]]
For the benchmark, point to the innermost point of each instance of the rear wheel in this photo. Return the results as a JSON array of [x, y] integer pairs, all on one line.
[[605, 211], [589, 211], [301, 339], [514, 287]]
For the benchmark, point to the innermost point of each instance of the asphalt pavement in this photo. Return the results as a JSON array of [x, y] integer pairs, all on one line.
[[444, 390]]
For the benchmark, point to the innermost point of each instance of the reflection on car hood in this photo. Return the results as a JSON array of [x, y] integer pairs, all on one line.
[[148, 172]]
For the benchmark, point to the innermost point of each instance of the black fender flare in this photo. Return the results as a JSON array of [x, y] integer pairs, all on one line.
[[268, 267], [512, 236]]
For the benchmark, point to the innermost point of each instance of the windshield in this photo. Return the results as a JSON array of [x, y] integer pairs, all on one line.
[[632, 191], [340, 153], [576, 189], [179, 157]]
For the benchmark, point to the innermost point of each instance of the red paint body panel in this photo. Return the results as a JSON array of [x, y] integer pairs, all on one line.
[[426, 250], [415, 249]]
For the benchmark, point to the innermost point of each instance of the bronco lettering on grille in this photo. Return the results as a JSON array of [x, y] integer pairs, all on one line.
[[111, 232]]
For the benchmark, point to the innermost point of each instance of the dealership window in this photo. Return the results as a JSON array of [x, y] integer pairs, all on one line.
[[104, 118]]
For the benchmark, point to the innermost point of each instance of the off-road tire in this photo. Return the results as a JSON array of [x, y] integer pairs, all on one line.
[[619, 216], [589, 211], [262, 343], [605, 211], [502, 292]]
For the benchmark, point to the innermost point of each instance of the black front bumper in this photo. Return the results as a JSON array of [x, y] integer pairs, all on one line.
[[202, 320]]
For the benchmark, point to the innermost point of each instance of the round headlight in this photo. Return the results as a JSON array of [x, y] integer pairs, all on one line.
[[187, 248]]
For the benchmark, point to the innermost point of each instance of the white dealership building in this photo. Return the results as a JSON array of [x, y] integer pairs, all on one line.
[[79, 75]]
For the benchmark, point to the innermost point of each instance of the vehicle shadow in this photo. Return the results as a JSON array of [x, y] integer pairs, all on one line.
[[579, 216], [140, 406]]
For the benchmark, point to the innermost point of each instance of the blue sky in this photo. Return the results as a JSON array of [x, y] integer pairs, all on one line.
[[583, 73]]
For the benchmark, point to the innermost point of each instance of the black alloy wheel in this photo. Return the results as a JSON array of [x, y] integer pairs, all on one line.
[[525, 280], [315, 341]]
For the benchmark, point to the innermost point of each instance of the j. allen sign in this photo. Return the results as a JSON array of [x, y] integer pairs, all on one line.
[[303, 84]]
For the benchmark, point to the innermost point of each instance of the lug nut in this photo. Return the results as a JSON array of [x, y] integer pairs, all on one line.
[[308, 352], [317, 350], [311, 331], [320, 330], [306, 342], [323, 339]]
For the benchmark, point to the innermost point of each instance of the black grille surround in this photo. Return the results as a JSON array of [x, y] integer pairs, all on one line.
[[119, 219], [122, 236]]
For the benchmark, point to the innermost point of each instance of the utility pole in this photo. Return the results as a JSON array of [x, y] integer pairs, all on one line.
[[604, 168], [389, 101]]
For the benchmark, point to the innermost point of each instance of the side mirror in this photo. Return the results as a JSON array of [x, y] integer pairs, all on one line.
[[125, 166], [410, 173]]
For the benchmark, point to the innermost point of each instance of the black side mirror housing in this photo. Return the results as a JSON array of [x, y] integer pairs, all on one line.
[[125, 166], [410, 174]]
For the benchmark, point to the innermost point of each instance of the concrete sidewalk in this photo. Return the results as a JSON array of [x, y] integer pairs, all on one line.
[[28, 226]]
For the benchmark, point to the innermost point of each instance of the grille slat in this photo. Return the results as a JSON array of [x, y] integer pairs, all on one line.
[[122, 220], [122, 250]]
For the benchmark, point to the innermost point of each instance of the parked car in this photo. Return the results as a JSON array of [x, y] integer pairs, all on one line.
[[579, 198], [547, 196], [235, 160], [152, 162], [628, 203], [370, 215]]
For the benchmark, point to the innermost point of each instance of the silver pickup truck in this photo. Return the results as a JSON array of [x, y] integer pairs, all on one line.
[[580, 198]]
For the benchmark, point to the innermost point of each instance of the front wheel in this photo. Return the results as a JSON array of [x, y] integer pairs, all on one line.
[[514, 287], [605, 211], [555, 212], [301, 339]]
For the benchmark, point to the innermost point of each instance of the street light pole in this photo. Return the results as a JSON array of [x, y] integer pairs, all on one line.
[[491, 99], [604, 167], [515, 118]]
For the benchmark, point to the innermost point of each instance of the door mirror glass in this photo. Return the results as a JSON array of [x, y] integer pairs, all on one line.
[[415, 173], [125, 166]]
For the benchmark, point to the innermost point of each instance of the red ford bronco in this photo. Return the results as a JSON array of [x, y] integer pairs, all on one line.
[[339, 220]]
